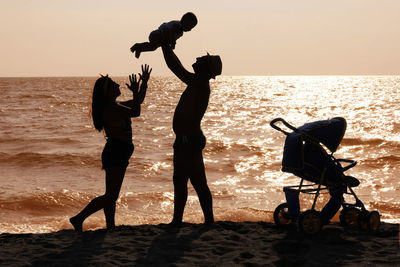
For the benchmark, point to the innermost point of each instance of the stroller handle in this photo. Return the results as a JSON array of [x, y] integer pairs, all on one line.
[[351, 164], [272, 123]]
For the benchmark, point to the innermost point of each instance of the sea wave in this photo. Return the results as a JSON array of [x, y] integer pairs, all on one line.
[[26, 140], [32, 159], [379, 162], [47, 202], [50, 202], [37, 96], [375, 142], [216, 146]]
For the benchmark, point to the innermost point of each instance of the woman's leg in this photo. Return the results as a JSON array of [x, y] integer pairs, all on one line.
[[114, 178]]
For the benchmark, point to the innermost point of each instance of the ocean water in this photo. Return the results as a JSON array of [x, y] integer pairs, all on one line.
[[50, 164]]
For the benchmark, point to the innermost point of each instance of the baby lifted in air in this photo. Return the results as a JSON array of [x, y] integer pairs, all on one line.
[[167, 33]]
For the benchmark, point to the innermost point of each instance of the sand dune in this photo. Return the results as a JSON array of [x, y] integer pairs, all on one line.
[[222, 244]]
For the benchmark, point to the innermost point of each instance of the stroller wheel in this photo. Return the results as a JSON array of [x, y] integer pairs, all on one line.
[[374, 220], [310, 222], [349, 217], [281, 215], [363, 220], [369, 220]]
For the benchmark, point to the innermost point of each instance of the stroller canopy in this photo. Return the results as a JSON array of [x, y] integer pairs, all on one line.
[[328, 132], [306, 158]]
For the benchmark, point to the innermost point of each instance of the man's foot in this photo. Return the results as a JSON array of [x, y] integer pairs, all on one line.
[[210, 222], [206, 226], [111, 227], [175, 224], [76, 224]]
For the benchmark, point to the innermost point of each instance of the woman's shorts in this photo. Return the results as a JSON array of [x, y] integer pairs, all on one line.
[[116, 154]]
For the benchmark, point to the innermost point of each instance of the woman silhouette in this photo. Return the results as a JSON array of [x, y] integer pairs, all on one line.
[[114, 118]]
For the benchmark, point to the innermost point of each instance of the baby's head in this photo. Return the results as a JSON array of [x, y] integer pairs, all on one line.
[[188, 21]]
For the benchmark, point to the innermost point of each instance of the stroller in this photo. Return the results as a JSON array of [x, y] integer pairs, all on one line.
[[304, 155]]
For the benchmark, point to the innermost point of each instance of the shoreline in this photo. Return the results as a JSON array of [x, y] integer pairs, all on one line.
[[223, 243]]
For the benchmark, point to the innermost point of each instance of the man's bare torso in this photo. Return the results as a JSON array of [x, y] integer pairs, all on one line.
[[191, 108]]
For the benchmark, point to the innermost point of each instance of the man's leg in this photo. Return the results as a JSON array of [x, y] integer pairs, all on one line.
[[180, 180], [199, 182]]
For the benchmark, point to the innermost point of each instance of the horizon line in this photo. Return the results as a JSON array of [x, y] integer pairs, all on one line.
[[241, 75]]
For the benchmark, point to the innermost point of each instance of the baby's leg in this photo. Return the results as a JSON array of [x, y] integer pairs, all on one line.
[[153, 43], [133, 48], [143, 47]]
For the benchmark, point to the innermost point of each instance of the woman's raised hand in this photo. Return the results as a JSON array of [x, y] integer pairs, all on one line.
[[134, 86], [145, 75]]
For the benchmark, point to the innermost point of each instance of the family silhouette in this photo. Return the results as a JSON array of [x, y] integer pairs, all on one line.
[[114, 118]]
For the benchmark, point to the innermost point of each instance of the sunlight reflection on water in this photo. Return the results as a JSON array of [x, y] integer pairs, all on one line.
[[242, 157]]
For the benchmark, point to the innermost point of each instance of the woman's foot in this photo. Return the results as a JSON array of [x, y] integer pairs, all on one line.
[[77, 224]]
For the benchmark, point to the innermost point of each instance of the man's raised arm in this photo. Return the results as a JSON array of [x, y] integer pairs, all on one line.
[[175, 65]]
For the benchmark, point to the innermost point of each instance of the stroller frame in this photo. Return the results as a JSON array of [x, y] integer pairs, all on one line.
[[353, 215]]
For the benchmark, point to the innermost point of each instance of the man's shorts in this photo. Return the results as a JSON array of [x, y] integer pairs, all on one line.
[[194, 140]]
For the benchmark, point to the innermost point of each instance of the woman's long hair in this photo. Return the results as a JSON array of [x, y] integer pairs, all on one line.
[[99, 101]]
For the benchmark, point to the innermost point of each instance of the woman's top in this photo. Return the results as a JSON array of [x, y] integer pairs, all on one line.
[[117, 122]]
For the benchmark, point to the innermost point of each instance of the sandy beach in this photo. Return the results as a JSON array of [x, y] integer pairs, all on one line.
[[222, 244]]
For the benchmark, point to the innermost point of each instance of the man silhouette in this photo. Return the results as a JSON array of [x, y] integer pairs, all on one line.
[[190, 141]]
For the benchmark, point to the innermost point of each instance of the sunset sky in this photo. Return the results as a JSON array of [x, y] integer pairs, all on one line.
[[253, 37]]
